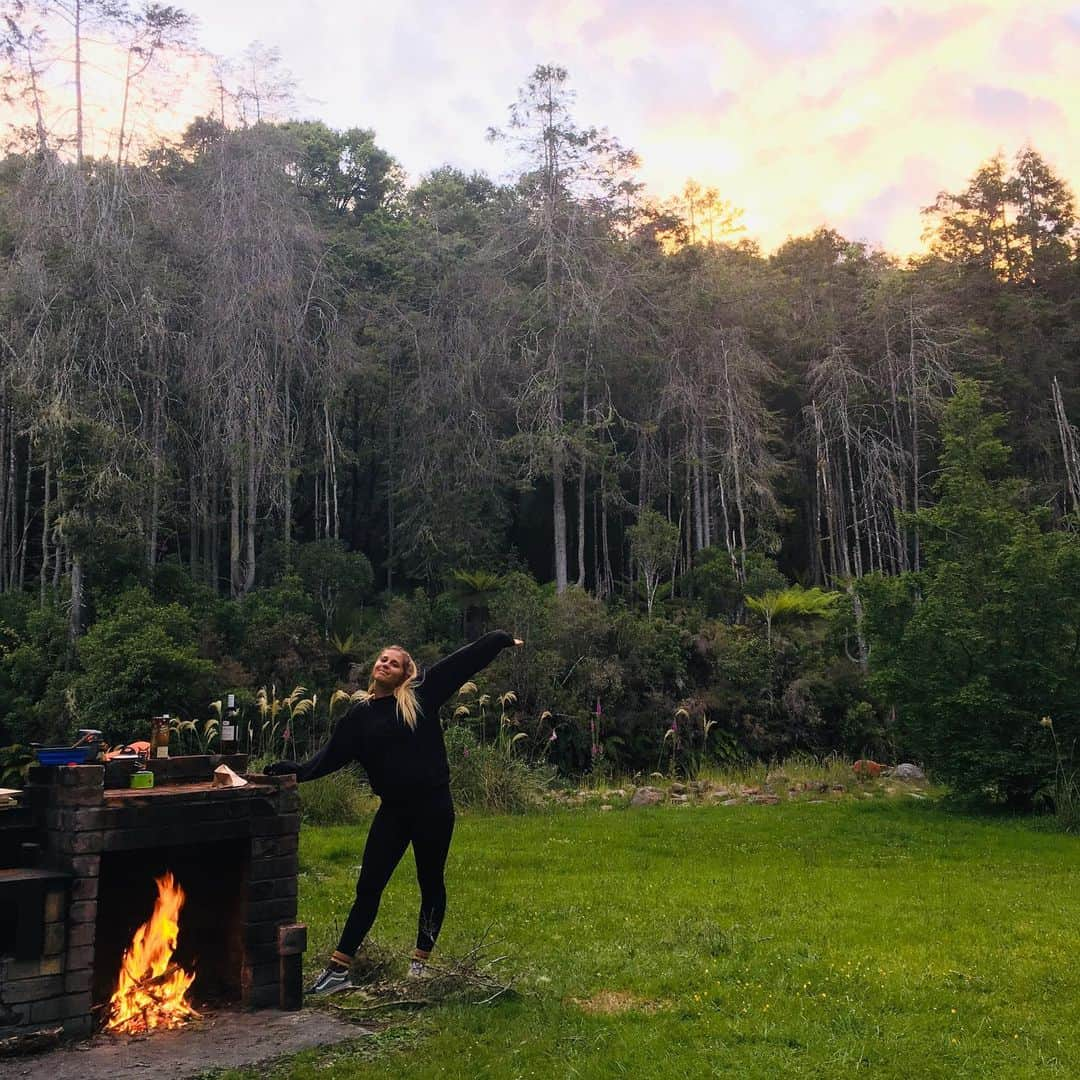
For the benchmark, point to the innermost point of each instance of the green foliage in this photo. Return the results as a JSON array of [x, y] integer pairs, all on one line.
[[33, 651], [714, 586], [977, 647], [790, 604], [139, 660], [342, 798], [653, 543], [491, 776], [280, 639], [15, 760], [333, 576]]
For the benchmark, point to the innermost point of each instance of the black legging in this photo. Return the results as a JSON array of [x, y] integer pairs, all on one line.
[[428, 825]]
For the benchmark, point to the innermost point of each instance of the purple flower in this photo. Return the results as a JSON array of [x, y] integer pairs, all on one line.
[[465, 752], [552, 737]]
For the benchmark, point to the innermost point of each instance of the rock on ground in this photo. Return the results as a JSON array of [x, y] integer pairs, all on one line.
[[647, 796], [907, 771]]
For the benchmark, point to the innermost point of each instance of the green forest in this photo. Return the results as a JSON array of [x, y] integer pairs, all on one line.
[[266, 406]]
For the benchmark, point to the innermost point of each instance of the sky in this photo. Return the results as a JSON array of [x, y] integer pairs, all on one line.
[[847, 113]]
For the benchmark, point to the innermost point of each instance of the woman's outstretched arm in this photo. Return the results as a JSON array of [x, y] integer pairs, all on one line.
[[339, 750], [450, 673]]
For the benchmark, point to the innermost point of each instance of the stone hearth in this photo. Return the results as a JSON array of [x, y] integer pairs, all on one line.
[[77, 863]]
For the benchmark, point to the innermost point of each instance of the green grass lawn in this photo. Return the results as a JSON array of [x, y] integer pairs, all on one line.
[[884, 937]]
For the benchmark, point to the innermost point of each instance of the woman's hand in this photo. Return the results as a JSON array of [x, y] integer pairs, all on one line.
[[282, 768], [518, 643]]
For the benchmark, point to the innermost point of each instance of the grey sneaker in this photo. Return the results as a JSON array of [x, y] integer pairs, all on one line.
[[417, 969], [330, 981]]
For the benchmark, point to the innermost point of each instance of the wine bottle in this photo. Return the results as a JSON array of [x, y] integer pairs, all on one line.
[[228, 726], [159, 738]]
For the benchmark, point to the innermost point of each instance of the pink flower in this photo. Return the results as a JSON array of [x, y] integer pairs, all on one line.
[[552, 737], [465, 753]]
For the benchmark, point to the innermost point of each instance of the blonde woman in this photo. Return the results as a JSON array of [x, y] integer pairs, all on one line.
[[393, 731]]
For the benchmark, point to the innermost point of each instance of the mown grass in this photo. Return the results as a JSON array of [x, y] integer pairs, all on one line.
[[887, 937]]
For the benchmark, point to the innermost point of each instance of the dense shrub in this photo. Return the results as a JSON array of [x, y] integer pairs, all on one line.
[[491, 776], [982, 644], [139, 659], [33, 652]]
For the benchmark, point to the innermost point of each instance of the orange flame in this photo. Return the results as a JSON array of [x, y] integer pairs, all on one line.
[[152, 991]]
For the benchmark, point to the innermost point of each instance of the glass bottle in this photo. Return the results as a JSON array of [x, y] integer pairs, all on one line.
[[228, 726], [159, 737]]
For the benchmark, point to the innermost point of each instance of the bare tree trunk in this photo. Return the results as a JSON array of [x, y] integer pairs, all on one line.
[[706, 488], [75, 618], [12, 513], [252, 512], [699, 510], [559, 516], [915, 467], [736, 465], [155, 481], [43, 573], [77, 14], [24, 540], [235, 580], [609, 576], [596, 543], [1070, 449], [582, 483], [851, 495], [286, 476], [123, 115], [215, 533], [61, 548]]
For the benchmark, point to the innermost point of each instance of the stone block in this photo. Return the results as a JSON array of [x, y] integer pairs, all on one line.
[[279, 825], [52, 941], [81, 934], [54, 905], [79, 1027], [261, 954], [272, 910], [82, 956], [82, 911], [261, 933], [84, 843], [84, 888], [76, 819], [285, 866], [83, 866], [270, 890], [18, 991], [79, 982], [272, 847], [56, 1008], [265, 974], [263, 997], [81, 776], [292, 938], [73, 798]]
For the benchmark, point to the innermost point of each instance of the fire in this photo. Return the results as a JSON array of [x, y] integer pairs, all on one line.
[[152, 991]]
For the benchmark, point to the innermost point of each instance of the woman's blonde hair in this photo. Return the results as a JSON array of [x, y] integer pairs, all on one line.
[[408, 707]]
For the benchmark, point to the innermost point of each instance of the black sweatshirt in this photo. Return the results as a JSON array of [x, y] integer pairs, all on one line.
[[402, 763]]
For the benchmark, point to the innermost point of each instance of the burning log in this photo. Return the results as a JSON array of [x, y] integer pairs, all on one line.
[[152, 990]]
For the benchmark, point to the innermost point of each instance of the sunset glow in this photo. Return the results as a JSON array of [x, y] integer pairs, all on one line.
[[845, 113]]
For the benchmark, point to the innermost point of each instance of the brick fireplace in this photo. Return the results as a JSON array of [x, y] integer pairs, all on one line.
[[77, 867]]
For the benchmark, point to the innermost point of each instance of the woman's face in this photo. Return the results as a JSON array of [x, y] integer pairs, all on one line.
[[390, 669]]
